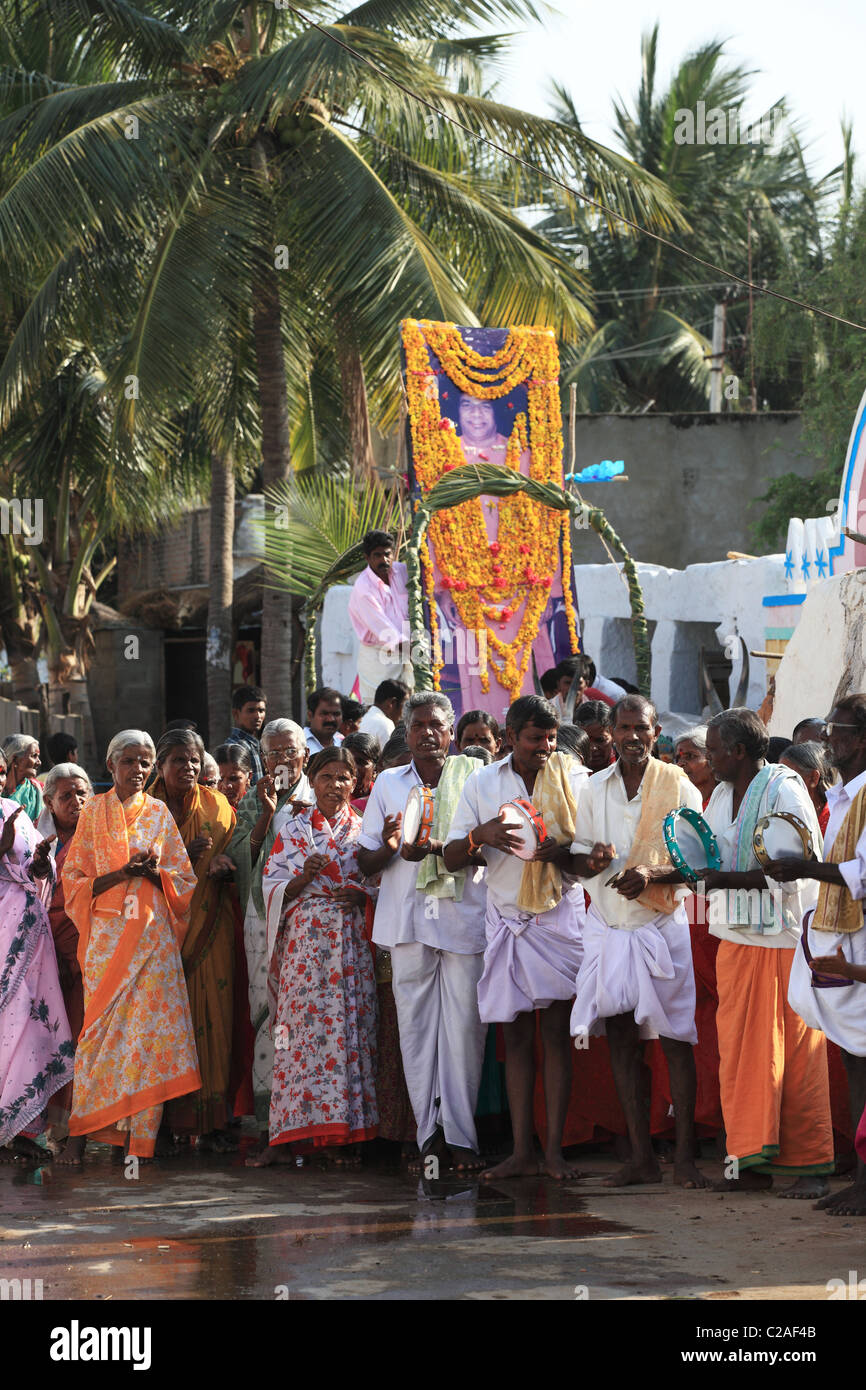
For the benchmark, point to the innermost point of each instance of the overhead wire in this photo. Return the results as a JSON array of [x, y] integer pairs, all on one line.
[[729, 275]]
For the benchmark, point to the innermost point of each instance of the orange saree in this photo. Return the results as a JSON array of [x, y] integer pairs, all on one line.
[[208, 963], [136, 1048]]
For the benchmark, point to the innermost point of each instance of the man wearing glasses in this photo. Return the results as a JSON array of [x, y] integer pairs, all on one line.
[[825, 988]]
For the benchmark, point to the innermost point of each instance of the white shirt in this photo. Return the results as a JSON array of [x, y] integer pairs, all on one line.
[[839, 798], [313, 744], [378, 724], [483, 795], [606, 814], [402, 913], [792, 899]]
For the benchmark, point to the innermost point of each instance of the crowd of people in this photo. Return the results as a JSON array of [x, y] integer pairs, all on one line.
[[351, 931]]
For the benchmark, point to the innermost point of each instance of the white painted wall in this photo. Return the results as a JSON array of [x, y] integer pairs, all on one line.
[[826, 655], [687, 607]]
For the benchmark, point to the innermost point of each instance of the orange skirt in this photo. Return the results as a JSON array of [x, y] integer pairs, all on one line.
[[772, 1068]]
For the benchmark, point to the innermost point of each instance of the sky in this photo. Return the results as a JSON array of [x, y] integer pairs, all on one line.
[[809, 52]]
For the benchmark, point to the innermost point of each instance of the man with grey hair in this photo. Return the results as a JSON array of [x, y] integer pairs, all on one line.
[[436, 941], [772, 1067], [261, 814]]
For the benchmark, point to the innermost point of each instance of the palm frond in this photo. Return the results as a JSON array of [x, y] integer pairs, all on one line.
[[313, 521]]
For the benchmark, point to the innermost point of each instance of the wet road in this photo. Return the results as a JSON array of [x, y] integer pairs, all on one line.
[[207, 1227]]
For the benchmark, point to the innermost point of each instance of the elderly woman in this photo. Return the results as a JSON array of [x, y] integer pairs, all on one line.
[[261, 814], [690, 753], [206, 823], [321, 975], [812, 762], [128, 885], [210, 773], [67, 790], [36, 1049], [235, 767], [23, 762]]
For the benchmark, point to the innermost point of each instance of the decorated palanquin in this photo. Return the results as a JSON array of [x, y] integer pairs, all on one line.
[[497, 573]]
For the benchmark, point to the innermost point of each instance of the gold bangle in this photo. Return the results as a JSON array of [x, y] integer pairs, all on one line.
[[473, 848]]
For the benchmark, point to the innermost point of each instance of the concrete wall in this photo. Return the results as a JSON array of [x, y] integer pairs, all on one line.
[[715, 606], [179, 557], [126, 683], [826, 656], [702, 606], [692, 484]]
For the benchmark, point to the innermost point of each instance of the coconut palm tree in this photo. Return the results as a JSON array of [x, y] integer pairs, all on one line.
[[654, 307], [240, 185]]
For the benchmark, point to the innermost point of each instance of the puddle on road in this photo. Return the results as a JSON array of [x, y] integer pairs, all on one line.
[[300, 1234]]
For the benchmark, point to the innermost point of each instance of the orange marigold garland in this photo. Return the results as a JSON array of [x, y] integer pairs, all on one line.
[[491, 580]]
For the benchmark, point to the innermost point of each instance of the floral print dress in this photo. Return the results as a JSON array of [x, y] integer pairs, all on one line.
[[322, 989], [36, 1048]]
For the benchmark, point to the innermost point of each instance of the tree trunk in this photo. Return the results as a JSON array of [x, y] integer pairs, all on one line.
[[218, 648], [276, 468], [355, 401]]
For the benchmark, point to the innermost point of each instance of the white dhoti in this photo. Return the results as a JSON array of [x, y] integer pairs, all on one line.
[[530, 961], [837, 1010], [441, 1038], [256, 949], [377, 664], [646, 971]]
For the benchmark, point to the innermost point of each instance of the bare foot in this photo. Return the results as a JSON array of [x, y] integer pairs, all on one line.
[[557, 1166], [73, 1150], [434, 1147], [631, 1173], [746, 1182], [465, 1160], [851, 1201], [804, 1188], [267, 1158], [517, 1166], [687, 1175]]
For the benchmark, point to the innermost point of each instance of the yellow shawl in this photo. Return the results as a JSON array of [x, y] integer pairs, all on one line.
[[555, 802], [205, 812], [836, 910], [661, 792]]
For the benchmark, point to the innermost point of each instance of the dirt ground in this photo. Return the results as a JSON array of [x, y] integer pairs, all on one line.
[[209, 1228]]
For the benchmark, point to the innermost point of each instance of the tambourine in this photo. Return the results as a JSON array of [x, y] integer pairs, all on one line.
[[690, 843], [522, 819], [782, 835], [417, 824]]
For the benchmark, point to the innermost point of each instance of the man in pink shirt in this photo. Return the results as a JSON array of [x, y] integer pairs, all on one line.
[[379, 613]]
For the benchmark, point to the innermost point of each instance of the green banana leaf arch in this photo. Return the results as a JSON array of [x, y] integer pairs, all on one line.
[[460, 485]]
